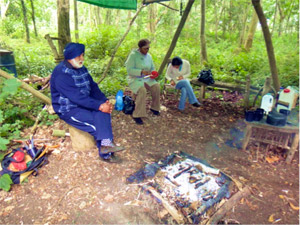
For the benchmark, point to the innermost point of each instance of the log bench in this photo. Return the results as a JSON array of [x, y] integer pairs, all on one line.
[[242, 87]]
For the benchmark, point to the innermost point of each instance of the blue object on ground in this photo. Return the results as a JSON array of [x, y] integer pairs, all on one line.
[[119, 101]]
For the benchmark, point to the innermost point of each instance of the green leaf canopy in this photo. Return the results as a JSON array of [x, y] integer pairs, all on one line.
[[114, 4]]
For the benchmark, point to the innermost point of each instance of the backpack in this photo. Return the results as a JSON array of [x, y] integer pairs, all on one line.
[[33, 157], [205, 76], [129, 105]]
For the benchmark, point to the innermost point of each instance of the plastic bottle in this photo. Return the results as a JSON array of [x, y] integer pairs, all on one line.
[[286, 99], [119, 101], [267, 103]]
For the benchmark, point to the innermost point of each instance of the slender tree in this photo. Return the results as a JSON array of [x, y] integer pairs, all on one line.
[[76, 21], [152, 16], [108, 17], [218, 15], [176, 36], [243, 24], [63, 19], [269, 44], [33, 18], [202, 34], [25, 21], [275, 17], [251, 32], [3, 8]]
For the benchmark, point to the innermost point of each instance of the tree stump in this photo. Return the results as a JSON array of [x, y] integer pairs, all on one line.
[[81, 140]]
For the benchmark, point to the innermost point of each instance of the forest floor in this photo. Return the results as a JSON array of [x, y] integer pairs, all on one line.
[[78, 188]]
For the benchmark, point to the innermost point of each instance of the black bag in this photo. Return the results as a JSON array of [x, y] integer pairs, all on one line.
[[205, 76], [129, 105]]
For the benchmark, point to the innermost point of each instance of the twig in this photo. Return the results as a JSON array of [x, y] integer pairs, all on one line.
[[62, 197]]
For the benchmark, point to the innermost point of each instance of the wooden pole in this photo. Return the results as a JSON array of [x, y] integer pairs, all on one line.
[[120, 42], [176, 35], [27, 87], [269, 45], [247, 93]]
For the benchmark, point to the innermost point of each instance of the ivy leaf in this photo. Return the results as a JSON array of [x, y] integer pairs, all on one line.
[[5, 182], [1, 116], [3, 143], [11, 86]]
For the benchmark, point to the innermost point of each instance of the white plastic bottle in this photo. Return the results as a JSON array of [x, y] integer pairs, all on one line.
[[267, 103]]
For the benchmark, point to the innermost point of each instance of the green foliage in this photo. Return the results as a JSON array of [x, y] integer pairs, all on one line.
[[227, 60], [47, 119], [5, 182]]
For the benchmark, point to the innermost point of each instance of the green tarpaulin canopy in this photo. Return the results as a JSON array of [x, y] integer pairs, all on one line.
[[115, 4]]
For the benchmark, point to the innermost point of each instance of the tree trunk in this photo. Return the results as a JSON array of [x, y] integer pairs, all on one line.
[[33, 18], [224, 19], [269, 44], [218, 16], [63, 20], [244, 22], [25, 21], [281, 18], [176, 35], [202, 34], [152, 16], [3, 8], [274, 19], [76, 21], [251, 32], [108, 17], [98, 16], [117, 17]]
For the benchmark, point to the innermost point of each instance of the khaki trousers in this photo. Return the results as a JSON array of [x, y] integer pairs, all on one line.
[[140, 100]]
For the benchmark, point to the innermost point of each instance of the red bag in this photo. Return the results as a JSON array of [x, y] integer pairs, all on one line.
[[154, 74]]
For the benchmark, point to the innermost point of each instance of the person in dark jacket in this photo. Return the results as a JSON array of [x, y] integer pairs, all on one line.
[[77, 100]]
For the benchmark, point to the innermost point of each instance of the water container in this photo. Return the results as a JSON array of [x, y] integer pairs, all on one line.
[[7, 62], [267, 103], [287, 99], [119, 101]]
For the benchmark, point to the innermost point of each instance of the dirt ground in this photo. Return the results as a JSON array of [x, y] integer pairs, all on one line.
[[75, 187]]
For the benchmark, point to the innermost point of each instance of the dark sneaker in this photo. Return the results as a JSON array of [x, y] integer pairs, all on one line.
[[111, 159], [114, 148], [138, 121], [196, 104], [156, 113]]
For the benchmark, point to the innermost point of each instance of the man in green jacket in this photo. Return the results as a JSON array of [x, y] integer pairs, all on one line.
[[140, 69]]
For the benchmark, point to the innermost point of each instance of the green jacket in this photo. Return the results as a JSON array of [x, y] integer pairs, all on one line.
[[135, 63]]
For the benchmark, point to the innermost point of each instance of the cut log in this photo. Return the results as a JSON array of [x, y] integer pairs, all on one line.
[[228, 205], [81, 141], [171, 209]]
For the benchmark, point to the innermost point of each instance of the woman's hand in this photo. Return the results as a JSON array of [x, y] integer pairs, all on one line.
[[106, 107], [145, 72], [180, 78]]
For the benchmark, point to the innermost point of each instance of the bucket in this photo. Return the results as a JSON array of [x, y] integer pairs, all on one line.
[[287, 99], [267, 103], [249, 115], [7, 61], [258, 114]]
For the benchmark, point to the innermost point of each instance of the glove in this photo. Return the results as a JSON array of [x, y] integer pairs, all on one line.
[[154, 74]]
